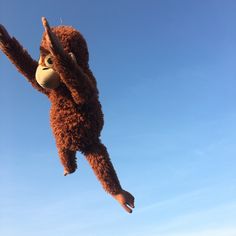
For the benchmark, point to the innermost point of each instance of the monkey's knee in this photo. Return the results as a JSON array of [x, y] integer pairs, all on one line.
[[68, 161], [95, 149]]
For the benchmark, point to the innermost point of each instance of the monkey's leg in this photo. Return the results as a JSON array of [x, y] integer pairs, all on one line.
[[99, 160], [68, 160]]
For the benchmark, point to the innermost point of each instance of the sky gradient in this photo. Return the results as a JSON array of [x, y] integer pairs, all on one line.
[[166, 74]]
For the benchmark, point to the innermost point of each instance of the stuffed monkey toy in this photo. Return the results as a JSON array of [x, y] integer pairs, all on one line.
[[63, 75]]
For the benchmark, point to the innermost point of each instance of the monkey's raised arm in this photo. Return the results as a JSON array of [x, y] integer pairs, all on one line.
[[19, 57], [74, 78], [79, 84]]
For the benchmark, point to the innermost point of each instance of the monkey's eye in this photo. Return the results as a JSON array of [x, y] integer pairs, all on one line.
[[48, 60]]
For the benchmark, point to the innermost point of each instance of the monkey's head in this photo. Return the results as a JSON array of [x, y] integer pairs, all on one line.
[[73, 43]]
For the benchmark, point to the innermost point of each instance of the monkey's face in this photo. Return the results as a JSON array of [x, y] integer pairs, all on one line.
[[73, 43], [45, 75]]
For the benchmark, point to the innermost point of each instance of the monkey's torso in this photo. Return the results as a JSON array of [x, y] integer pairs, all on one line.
[[74, 126]]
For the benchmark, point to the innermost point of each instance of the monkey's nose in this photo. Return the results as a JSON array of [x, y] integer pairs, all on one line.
[[45, 68]]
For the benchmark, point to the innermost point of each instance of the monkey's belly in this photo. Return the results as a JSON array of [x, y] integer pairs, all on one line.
[[74, 130]]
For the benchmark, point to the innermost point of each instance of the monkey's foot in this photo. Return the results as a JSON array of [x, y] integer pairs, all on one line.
[[68, 160], [67, 172]]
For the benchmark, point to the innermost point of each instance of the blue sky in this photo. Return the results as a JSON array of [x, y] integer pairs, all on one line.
[[166, 74]]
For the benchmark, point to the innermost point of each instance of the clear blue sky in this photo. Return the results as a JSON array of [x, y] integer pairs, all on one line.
[[167, 78]]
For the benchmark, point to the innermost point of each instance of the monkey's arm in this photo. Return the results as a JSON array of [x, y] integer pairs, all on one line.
[[81, 88], [101, 164], [74, 78], [19, 57]]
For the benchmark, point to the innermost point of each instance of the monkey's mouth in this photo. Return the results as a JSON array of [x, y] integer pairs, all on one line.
[[47, 77], [46, 84], [50, 84]]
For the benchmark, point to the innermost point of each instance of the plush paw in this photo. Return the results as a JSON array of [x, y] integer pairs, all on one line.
[[125, 199], [67, 171]]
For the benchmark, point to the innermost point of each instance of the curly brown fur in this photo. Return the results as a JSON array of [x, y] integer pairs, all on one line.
[[99, 160], [19, 57], [76, 116]]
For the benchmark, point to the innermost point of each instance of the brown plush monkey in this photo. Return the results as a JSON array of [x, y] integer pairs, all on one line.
[[63, 75]]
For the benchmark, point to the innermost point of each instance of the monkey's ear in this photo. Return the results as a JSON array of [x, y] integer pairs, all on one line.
[[73, 57]]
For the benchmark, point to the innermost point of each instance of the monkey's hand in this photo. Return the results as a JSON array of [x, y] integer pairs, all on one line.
[[125, 199], [54, 44], [4, 36]]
